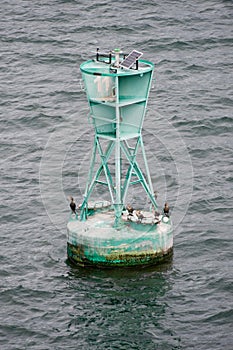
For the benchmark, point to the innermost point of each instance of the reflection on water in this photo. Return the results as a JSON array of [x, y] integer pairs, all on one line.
[[118, 299]]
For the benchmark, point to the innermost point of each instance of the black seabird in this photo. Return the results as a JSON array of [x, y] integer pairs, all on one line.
[[166, 209], [139, 215], [72, 205], [130, 209]]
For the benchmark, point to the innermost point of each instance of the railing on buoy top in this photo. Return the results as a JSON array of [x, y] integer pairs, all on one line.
[[117, 53]]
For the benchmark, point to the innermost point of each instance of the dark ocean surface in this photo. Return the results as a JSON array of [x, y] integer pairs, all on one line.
[[45, 149]]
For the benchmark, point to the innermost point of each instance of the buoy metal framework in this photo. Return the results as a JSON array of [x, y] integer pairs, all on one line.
[[117, 88], [117, 102]]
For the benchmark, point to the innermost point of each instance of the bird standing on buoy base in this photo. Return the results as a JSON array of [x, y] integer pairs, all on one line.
[[72, 205], [166, 209], [130, 209], [139, 215]]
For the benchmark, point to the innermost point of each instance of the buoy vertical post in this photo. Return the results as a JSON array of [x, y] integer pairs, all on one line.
[[118, 203]]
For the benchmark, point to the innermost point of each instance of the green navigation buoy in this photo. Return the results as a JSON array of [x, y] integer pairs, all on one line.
[[107, 233]]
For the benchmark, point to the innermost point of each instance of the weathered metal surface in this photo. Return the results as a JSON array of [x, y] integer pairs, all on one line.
[[76, 256], [96, 242]]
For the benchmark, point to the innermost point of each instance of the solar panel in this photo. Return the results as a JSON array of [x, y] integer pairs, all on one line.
[[131, 59]]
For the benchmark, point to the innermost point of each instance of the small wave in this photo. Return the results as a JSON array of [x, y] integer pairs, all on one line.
[[219, 317]]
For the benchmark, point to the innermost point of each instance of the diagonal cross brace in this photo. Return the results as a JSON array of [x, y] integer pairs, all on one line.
[[92, 181], [130, 168], [134, 165]]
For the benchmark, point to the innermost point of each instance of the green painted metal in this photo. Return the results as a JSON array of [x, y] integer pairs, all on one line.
[[117, 102], [105, 234], [78, 255], [96, 242]]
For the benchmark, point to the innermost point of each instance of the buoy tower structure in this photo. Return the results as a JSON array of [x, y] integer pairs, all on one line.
[[112, 233]]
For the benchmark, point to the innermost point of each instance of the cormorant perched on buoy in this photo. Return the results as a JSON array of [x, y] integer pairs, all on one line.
[[72, 205], [166, 209], [130, 209], [139, 215], [157, 215]]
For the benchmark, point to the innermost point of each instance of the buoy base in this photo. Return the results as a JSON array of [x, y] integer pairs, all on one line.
[[76, 257], [96, 242]]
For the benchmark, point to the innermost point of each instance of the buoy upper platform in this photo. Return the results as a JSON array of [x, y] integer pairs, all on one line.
[[113, 233]]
